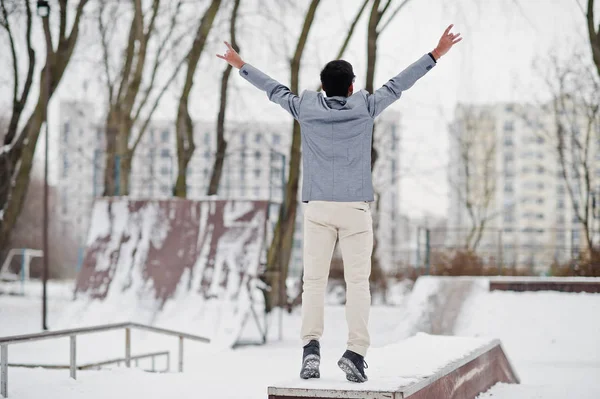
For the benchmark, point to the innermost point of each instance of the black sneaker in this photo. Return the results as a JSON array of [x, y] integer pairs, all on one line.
[[311, 359], [354, 366]]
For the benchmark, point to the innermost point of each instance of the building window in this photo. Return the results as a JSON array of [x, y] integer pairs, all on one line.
[[256, 191], [540, 170], [258, 137], [164, 170], [164, 189], [257, 173], [207, 154], [164, 136], [540, 140], [165, 153], [257, 155], [276, 139], [65, 166], [205, 172], [508, 142], [508, 187], [508, 126], [243, 138], [66, 130], [560, 204], [206, 138]]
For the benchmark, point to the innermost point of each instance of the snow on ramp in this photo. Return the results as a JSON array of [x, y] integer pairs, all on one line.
[[422, 366], [182, 264], [434, 305]]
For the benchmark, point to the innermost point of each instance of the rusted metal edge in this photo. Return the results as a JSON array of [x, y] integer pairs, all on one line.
[[545, 285], [489, 363]]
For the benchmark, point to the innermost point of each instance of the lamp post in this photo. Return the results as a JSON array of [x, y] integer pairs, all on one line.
[[43, 11]]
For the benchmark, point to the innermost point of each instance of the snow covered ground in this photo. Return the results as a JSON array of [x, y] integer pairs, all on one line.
[[551, 338]]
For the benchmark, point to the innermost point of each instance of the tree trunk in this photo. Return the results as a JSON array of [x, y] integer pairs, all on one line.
[[278, 256], [217, 172], [19, 159], [593, 35], [184, 125], [118, 154]]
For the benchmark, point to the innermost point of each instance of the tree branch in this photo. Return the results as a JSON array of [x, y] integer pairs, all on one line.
[[593, 35], [385, 8], [13, 53], [156, 102], [130, 52], [159, 59], [63, 19], [351, 30], [105, 56], [396, 11]]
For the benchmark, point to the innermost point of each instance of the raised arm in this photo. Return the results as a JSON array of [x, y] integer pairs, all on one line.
[[276, 92], [392, 90]]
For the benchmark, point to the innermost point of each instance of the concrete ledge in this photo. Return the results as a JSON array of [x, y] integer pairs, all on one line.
[[462, 378]]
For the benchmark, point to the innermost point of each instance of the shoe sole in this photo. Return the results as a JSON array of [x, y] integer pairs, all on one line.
[[310, 367], [352, 373]]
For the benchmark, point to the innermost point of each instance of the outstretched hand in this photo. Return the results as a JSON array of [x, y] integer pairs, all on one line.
[[232, 57], [446, 42]]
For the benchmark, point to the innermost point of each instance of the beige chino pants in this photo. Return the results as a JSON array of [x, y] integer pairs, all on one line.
[[324, 223]]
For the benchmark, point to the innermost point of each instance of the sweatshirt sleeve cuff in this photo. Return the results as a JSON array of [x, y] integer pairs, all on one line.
[[432, 57]]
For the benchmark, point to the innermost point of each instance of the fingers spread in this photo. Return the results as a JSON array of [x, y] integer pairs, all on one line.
[[229, 46], [448, 29], [457, 40], [221, 57]]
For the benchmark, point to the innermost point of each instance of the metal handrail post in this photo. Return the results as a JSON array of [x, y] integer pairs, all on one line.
[[180, 367], [127, 347], [73, 362], [4, 370]]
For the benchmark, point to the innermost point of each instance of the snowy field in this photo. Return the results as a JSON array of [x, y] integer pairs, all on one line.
[[552, 339]]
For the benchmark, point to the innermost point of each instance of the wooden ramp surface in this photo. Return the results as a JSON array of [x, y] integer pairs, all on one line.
[[420, 367]]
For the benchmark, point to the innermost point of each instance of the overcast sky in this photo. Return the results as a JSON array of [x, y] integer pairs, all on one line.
[[494, 62]]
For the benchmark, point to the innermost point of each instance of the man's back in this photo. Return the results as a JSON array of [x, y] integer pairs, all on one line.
[[337, 131]]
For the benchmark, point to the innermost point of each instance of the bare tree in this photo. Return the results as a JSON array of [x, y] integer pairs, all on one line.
[[576, 134], [184, 125], [382, 14], [134, 91], [16, 155], [217, 170], [473, 133], [336, 255], [278, 256]]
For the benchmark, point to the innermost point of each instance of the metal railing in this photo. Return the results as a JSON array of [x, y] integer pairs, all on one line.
[[73, 333], [97, 365]]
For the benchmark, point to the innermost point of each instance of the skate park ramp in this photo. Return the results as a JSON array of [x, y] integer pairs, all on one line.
[[420, 367], [188, 265], [434, 305]]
